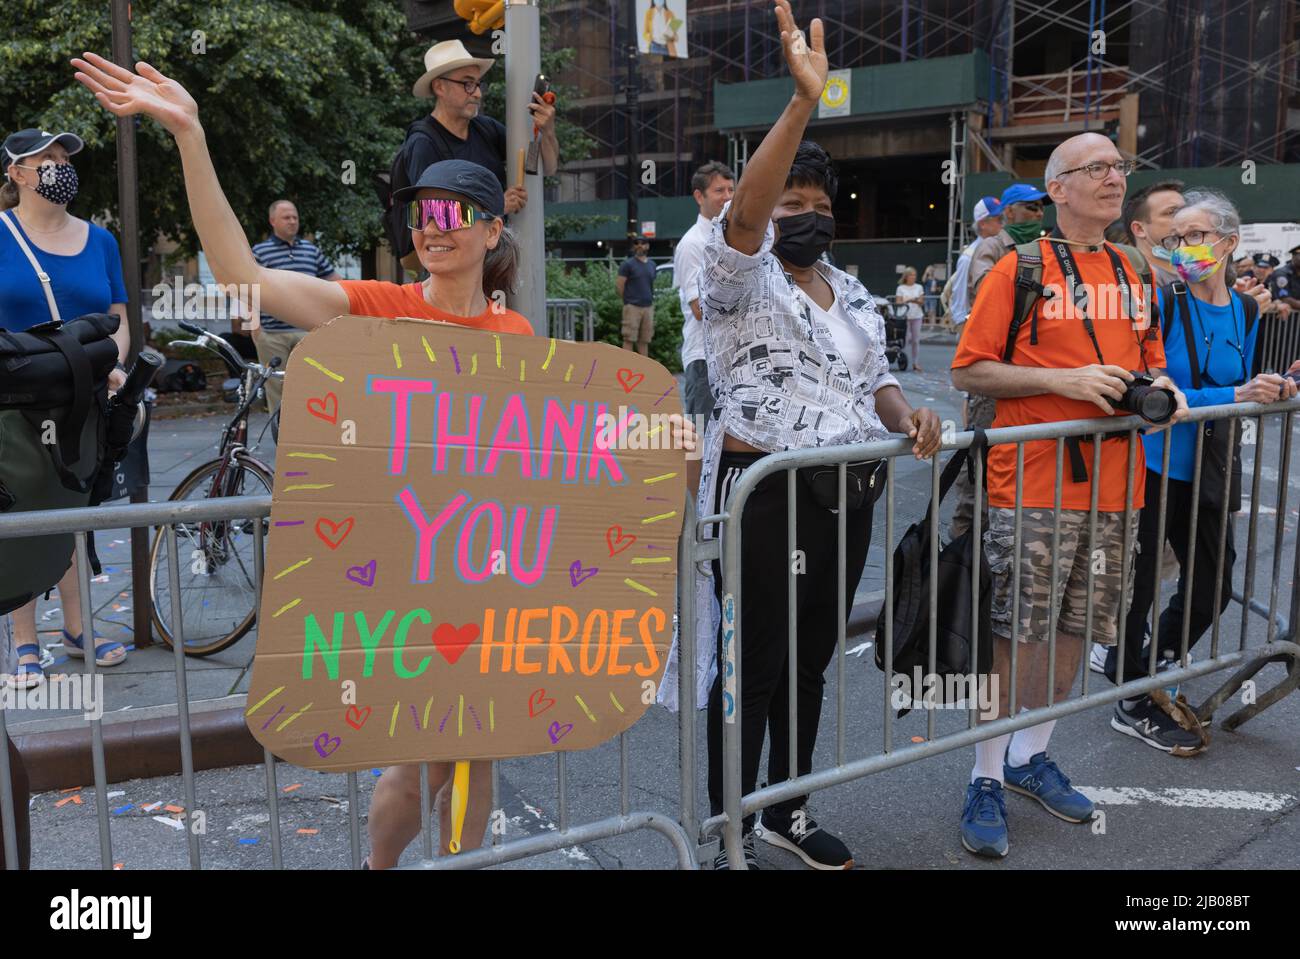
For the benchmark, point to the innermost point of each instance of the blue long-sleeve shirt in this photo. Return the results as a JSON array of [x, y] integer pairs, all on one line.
[[1221, 355]]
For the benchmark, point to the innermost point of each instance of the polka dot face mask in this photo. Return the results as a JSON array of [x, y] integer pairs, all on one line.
[[57, 182]]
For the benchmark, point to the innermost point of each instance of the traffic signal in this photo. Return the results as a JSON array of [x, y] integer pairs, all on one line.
[[482, 15]]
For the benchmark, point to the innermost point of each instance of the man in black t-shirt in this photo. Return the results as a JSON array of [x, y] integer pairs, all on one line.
[[636, 285], [455, 131]]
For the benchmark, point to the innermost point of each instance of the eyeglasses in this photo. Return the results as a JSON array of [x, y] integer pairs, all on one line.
[[446, 215], [1209, 351], [1098, 170], [469, 85], [1192, 238]]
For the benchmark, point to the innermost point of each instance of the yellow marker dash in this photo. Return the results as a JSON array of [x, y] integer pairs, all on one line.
[[521, 371], [298, 486], [657, 429], [428, 350], [427, 707], [659, 479], [655, 519], [460, 717], [492, 715], [549, 353], [473, 365], [392, 723], [497, 337], [265, 699], [568, 373], [617, 705], [293, 717], [286, 607], [313, 456], [645, 589], [645, 560], [397, 356], [314, 364], [584, 707], [290, 569]]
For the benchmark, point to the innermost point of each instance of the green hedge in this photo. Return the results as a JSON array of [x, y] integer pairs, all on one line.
[[594, 281]]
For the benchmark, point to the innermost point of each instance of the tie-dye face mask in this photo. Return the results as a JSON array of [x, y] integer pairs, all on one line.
[[1196, 263]]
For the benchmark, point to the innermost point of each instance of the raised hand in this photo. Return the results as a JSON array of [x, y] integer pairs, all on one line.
[[806, 56], [123, 93]]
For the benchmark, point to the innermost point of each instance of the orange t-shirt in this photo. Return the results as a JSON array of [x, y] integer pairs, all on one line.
[[1063, 343], [390, 300]]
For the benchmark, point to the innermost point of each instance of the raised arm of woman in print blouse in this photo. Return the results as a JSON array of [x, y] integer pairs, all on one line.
[[305, 301], [763, 181]]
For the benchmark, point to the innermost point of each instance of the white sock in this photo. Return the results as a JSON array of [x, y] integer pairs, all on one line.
[[988, 758], [1028, 743]]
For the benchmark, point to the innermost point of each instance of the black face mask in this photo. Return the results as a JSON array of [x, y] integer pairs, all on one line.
[[804, 237]]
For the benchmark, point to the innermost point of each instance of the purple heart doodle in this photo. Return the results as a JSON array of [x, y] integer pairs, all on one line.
[[363, 575], [579, 575], [558, 732], [326, 744]]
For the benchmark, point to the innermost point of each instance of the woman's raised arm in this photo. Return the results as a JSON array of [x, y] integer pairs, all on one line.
[[305, 301]]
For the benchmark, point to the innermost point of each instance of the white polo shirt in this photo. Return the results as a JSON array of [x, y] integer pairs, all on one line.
[[687, 261]]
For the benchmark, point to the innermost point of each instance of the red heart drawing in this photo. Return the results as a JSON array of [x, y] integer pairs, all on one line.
[[452, 641], [357, 715], [614, 535], [535, 707], [626, 379], [326, 408], [338, 532]]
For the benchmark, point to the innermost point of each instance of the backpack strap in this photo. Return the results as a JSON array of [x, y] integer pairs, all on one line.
[[959, 459], [1029, 288], [1178, 307]]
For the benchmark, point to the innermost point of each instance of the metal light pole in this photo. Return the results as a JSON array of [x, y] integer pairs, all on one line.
[[128, 214], [523, 63]]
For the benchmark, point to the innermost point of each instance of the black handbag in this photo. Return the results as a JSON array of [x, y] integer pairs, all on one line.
[[863, 484], [1220, 464], [913, 573]]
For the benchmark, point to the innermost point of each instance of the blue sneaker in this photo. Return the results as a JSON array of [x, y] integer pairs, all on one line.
[[984, 820], [1041, 779]]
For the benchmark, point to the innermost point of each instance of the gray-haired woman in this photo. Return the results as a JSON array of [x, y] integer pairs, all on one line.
[[1209, 333]]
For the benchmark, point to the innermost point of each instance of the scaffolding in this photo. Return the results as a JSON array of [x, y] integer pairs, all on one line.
[[1177, 83]]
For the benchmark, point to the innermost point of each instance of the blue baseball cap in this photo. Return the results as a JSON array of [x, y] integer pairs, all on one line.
[[986, 207], [476, 183], [1023, 193]]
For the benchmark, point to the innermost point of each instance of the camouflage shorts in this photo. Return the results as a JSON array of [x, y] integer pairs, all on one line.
[[1074, 557]]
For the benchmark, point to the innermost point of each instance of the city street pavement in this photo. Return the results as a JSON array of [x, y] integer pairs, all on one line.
[[1233, 807]]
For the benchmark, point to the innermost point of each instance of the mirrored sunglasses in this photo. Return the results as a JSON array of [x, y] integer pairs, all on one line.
[[446, 215]]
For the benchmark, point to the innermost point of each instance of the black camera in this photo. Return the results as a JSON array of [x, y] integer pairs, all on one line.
[[1153, 404]]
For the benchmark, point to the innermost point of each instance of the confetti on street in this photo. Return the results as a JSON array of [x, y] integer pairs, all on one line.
[[290, 789], [308, 832], [167, 821]]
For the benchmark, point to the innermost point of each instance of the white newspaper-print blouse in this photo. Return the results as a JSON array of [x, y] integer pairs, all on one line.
[[780, 384]]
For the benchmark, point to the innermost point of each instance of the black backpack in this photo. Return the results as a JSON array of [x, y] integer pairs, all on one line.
[[913, 571], [395, 230]]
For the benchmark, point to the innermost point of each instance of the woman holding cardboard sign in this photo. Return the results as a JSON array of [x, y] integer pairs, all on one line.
[[796, 358], [455, 212]]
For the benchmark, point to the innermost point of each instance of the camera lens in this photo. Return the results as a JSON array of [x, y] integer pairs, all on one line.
[[1155, 406]]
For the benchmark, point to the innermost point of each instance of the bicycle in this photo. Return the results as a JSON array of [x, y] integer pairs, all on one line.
[[215, 559]]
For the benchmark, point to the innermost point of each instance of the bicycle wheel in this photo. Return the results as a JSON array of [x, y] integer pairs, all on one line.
[[216, 569]]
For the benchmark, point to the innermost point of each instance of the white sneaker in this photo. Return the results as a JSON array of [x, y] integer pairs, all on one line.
[[1097, 658]]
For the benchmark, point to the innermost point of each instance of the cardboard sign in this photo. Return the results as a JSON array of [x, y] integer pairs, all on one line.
[[472, 550]]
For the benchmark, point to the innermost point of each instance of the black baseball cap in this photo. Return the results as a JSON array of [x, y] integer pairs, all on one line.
[[1266, 259], [476, 183], [31, 141]]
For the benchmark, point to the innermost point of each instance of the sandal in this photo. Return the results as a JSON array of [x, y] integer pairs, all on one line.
[[27, 675], [75, 648]]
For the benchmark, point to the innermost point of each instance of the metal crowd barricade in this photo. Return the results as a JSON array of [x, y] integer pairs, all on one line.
[[1279, 342], [563, 317], [679, 829], [1279, 641]]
